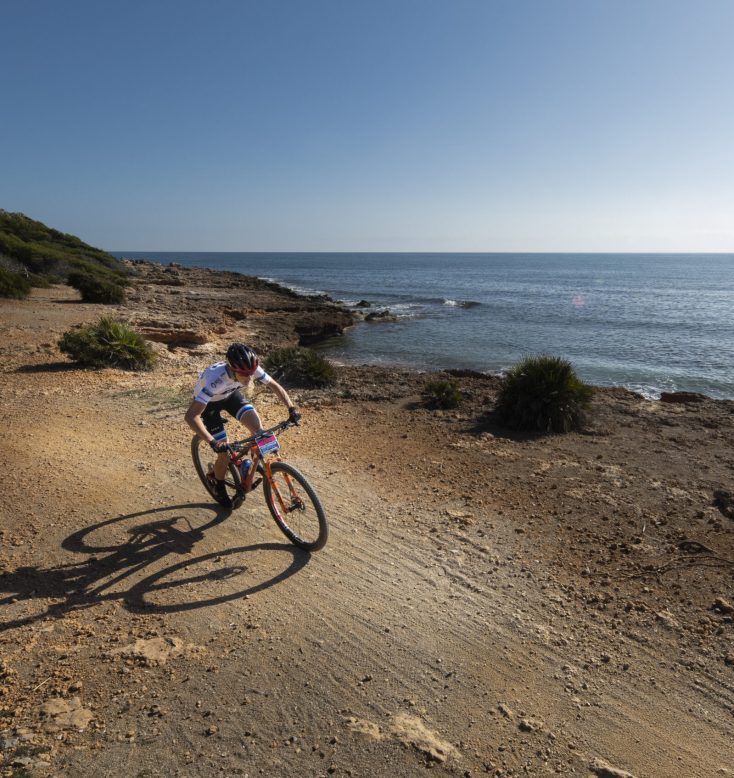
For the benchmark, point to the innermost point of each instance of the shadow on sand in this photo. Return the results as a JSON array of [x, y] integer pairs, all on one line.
[[100, 577], [49, 367], [488, 422]]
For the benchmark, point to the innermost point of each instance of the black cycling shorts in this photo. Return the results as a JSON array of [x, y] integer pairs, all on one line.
[[235, 405]]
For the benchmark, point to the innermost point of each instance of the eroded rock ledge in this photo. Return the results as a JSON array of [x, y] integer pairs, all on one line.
[[181, 306]]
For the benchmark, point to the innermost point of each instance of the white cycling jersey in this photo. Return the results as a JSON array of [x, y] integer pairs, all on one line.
[[215, 383]]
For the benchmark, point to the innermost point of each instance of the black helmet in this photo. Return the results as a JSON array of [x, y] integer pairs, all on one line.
[[242, 357]]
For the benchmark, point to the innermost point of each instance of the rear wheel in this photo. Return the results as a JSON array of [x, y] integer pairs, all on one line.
[[204, 457], [296, 507]]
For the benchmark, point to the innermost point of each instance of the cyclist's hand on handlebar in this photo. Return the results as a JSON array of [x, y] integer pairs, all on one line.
[[293, 415], [220, 446]]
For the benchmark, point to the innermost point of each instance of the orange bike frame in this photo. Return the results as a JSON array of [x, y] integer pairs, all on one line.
[[252, 451]]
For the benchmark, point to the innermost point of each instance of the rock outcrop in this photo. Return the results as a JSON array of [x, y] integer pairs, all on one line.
[[189, 307]]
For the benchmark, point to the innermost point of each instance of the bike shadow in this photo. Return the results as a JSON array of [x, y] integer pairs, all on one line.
[[102, 577]]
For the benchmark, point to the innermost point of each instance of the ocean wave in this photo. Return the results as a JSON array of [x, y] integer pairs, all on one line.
[[386, 314], [461, 303], [648, 391], [414, 305], [450, 301], [392, 311], [301, 291]]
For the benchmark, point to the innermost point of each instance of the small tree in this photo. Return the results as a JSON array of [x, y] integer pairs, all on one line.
[[544, 394], [108, 343], [300, 367]]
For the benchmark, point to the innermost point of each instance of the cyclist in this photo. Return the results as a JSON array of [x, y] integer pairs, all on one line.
[[217, 389]]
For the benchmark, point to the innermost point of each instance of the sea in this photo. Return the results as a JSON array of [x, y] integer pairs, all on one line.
[[649, 322]]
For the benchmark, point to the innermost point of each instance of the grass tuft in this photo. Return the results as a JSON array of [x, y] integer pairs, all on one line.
[[108, 343], [439, 393]]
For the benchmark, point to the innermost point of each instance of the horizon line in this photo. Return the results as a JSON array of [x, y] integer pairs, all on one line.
[[413, 251]]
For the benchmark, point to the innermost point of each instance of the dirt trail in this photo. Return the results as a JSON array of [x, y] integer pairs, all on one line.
[[453, 622]]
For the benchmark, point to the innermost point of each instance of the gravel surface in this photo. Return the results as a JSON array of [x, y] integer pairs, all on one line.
[[487, 603]]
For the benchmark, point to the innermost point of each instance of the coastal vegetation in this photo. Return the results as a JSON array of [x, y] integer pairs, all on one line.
[[14, 284], [542, 394], [108, 343], [96, 287], [33, 254], [441, 394], [299, 366]]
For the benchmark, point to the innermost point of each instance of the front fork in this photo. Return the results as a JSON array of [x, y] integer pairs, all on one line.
[[295, 501]]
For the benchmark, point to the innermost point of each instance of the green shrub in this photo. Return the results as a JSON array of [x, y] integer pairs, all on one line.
[[543, 394], [96, 288], [440, 393], [14, 284], [39, 281], [118, 276], [108, 343], [300, 366]]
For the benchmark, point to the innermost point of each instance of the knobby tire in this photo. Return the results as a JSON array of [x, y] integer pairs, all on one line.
[[305, 522]]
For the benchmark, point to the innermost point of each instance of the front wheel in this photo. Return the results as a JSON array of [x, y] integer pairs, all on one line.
[[204, 457], [295, 507]]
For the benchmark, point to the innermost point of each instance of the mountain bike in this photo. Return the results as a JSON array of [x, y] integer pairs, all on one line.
[[291, 499]]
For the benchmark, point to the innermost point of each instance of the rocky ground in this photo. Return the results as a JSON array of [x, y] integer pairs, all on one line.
[[487, 604]]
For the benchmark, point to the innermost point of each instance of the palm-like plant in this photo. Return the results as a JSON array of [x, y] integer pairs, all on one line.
[[108, 343], [544, 394]]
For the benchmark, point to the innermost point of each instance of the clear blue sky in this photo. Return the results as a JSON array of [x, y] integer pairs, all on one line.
[[395, 125]]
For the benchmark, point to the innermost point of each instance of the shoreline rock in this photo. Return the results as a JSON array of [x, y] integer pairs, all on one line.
[[184, 306]]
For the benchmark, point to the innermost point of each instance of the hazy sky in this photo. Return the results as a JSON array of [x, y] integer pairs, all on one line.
[[395, 125]]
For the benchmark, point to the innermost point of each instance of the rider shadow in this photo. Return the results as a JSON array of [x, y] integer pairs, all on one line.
[[101, 577]]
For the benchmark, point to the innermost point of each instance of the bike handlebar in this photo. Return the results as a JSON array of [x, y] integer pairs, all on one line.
[[239, 445]]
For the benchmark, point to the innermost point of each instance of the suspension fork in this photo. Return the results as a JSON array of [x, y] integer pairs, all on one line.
[[274, 487]]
